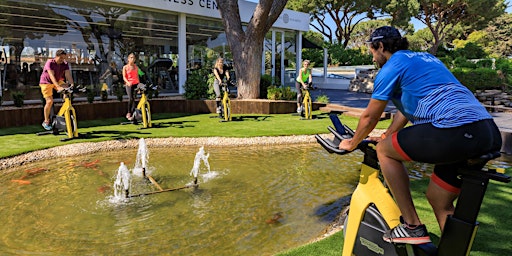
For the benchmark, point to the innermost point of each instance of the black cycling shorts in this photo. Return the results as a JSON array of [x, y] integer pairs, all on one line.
[[447, 148]]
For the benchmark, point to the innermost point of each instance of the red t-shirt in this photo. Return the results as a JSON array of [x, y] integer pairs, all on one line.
[[58, 69], [132, 74]]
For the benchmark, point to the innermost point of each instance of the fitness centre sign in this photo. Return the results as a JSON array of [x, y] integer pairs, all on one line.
[[208, 8]]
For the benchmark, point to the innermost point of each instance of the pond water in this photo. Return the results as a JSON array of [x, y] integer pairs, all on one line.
[[254, 201]]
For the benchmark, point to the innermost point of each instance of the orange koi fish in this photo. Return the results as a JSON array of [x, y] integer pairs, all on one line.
[[104, 188], [275, 218], [33, 172], [92, 164], [22, 182]]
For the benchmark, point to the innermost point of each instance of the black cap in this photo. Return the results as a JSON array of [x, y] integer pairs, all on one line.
[[383, 33]]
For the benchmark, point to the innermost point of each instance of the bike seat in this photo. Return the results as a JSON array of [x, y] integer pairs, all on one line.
[[475, 167], [477, 163], [491, 155]]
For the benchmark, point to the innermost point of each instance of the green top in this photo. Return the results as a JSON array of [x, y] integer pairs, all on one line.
[[305, 75]]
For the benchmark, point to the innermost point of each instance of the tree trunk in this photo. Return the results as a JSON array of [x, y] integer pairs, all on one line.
[[248, 71], [247, 45]]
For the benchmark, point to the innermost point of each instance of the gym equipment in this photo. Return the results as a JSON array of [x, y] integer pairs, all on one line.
[[143, 111], [66, 119], [373, 211], [225, 107], [307, 104]]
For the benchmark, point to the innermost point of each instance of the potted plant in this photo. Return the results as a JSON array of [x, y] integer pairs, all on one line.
[[17, 97], [104, 95], [90, 94], [119, 92], [104, 92]]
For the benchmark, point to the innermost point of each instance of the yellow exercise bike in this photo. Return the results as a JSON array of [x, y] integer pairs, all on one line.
[[373, 211], [307, 102], [142, 114], [65, 120], [225, 107]]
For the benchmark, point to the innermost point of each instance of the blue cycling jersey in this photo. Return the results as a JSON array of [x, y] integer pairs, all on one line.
[[425, 91]]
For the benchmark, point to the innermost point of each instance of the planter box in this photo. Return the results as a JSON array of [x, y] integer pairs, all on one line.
[[33, 115]]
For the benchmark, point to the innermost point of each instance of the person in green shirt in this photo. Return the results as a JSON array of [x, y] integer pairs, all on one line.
[[303, 79]]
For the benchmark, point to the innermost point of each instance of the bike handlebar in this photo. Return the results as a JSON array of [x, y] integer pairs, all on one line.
[[143, 87], [71, 89], [340, 132], [309, 86]]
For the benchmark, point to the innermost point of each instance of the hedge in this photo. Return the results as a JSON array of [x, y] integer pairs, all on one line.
[[478, 79]]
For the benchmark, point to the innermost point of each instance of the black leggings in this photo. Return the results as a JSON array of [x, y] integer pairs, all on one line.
[[130, 91], [298, 86]]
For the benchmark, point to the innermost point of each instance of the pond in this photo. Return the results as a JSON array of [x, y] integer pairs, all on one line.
[[256, 200]]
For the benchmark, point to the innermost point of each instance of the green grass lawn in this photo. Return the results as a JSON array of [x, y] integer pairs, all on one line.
[[493, 237], [20, 140]]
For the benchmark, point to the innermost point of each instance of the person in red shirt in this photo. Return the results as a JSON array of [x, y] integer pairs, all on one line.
[[131, 80]]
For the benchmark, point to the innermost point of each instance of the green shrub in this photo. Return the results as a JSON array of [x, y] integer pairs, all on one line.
[[265, 83], [478, 79], [17, 97], [461, 62], [211, 91], [322, 98], [485, 63], [104, 95], [447, 60], [280, 93], [471, 51], [198, 83], [288, 94], [505, 65], [119, 91], [348, 57], [314, 55], [90, 94]]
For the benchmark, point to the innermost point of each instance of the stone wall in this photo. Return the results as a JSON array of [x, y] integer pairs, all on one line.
[[493, 100], [363, 81], [496, 98]]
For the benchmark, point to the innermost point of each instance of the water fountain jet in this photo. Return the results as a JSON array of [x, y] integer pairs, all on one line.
[[200, 156], [142, 161], [122, 182]]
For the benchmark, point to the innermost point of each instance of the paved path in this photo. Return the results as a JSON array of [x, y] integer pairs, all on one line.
[[503, 120], [348, 98]]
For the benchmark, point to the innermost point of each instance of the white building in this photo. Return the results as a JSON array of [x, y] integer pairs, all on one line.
[[170, 37]]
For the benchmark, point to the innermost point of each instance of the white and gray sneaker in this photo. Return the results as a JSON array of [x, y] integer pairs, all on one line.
[[402, 234]]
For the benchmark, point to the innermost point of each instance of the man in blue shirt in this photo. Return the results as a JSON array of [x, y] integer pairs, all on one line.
[[449, 127]]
